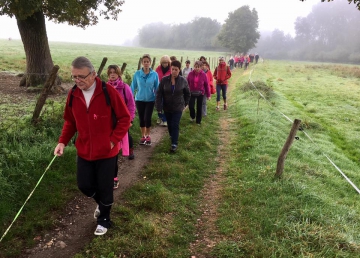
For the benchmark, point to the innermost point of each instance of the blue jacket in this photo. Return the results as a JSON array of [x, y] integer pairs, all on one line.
[[144, 86]]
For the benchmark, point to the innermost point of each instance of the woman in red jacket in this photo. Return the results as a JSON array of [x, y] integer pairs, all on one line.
[[221, 74]]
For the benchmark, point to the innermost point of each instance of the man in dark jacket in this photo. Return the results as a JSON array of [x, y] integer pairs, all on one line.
[[101, 118], [174, 93]]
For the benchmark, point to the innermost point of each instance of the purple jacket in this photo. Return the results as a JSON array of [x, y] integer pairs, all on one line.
[[126, 94], [202, 85]]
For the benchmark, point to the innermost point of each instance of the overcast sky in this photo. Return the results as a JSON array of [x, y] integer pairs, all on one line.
[[273, 14]]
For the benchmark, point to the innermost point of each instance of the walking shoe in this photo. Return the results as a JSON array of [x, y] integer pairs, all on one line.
[[217, 108], [131, 154], [173, 148], [116, 183], [96, 212], [198, 124], [158, 121], [192, 119], [142, 141], [225, 106], [164, 123], [148, 140], [100, 230]]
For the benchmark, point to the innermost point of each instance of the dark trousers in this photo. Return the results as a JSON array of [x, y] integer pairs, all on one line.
[[173, 120], [199, 100], [220, 88], [145, 110], [96, 179]]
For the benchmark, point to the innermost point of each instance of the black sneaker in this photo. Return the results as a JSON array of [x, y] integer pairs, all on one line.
[[173, 148], [131, 154]]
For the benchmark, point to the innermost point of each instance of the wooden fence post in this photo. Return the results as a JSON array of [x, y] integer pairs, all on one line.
[[103, 63], [45, 92], [181, 60], [153, 63], [123, 68], [139, 63], [286, 148]]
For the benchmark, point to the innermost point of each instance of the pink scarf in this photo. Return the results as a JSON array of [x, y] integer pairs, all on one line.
[[115, 83]]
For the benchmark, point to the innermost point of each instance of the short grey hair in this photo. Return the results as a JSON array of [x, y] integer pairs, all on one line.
[[81, 62]]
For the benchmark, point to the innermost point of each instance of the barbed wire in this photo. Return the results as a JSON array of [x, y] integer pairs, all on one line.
[[306, 134]]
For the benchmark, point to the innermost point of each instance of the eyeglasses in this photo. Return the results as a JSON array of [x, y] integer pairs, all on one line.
[[79, 77]]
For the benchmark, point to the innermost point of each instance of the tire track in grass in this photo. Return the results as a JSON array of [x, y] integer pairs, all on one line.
[[207, 233]]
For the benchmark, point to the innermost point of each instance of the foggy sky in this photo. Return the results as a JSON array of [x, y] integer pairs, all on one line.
[[273, 14]]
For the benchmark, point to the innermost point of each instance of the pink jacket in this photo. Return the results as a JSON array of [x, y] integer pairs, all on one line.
[[202, 85]]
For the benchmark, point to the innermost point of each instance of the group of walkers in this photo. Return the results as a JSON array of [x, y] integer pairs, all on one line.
[[240, 60], [102, 113]]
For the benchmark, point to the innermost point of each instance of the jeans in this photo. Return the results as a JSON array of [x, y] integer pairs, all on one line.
[[173, 121], [220, 88], [199, 103], [204, 106]]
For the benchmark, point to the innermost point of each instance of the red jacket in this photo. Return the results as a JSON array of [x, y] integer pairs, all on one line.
[[94, 124], [161, 74], [221, 74]]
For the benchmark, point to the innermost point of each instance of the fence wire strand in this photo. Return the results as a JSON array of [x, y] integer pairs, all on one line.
[[306, 134]]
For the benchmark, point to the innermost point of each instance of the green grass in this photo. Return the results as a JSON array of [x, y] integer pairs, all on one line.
[[310, 212], [12, 56]]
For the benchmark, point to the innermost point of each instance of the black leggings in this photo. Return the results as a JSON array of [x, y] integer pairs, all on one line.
[[145, 110]]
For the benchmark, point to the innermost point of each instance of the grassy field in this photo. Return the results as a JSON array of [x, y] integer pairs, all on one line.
[[311, 211], [12, 56]]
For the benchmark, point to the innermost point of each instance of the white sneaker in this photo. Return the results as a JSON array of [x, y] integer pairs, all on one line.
[[96, 212], [100, 230], [164, 123], [161, 123]]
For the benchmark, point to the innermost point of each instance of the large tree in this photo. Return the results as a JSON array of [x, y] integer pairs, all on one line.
[[357, 2], [31, 15], [240, 31]]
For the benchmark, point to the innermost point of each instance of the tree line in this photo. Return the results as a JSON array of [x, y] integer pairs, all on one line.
[[238, 34], [329, 33]]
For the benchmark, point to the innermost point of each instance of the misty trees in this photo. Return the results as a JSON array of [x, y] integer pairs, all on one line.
[[329, 33], [30, 16], [239, 33], [200, 33], [197, 34]]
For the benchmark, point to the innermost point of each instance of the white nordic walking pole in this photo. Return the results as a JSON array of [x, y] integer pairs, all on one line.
[[17, 215]]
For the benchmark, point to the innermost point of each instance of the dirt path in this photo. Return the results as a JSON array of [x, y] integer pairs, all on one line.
[[77, 225], [207, 234]]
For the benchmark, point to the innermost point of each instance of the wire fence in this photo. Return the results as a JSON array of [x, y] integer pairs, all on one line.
[[302, 130]]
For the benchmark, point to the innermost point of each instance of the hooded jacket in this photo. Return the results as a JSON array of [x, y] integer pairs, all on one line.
[[144, 86], [95, 124]]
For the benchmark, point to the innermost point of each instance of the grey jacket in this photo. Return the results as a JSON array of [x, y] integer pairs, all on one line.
[[172, 100]]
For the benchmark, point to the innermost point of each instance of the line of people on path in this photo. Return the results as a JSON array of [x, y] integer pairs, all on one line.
[[238, 61], [102, 113]]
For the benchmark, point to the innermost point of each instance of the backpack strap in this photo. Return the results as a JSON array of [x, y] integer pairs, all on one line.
[[71, 95]]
